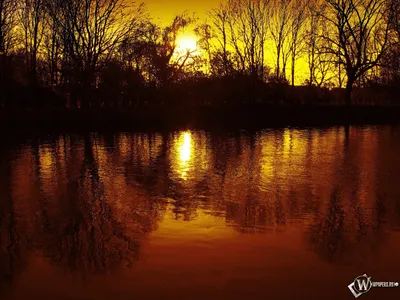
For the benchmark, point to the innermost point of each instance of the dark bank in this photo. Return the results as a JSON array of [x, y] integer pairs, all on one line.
[[245, 117], [228, 102]]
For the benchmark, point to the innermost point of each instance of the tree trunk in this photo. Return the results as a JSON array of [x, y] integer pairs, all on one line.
[[278, 58], [293, 68], [349, 90], [33, 81], [2, 73], [312, 66], [351, 79]]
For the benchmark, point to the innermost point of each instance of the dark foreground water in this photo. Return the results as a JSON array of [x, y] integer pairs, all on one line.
[[278, 214]]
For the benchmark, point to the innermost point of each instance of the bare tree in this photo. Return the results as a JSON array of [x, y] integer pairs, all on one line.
[[248, 33], [32, 16], [395, 18], [390, 69], [8, 10], [279, 29], [324, 70], [153, 51], [219, 18], [205, 34], [297, 21], [91, 30], [241, 25], [166, 63], [136, 49], [52, 50], [7, 37], [319, 62], [312, 34], [359, 35], [321, 65]]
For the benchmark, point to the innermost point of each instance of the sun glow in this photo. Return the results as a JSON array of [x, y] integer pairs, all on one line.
[[186, 43]]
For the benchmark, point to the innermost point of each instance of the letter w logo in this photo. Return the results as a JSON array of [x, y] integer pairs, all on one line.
[[362, 284]]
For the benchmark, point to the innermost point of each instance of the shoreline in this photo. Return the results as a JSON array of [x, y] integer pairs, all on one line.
[[171, 118]]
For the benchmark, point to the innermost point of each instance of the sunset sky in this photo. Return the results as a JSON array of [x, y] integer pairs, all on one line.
[[163, 12], [166, 9]]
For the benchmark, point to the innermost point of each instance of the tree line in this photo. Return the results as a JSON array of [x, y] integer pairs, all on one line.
[[343, 42], [90, 51]]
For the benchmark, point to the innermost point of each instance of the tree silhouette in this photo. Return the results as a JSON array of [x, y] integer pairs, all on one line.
[[32, 16], [205, 34], [73, 49], [279, 29], [52, 48], [8, 22], [296, 32], [219, 18], [359, 36], [162, 51], [390, 73], [8, 9], [91, 31]]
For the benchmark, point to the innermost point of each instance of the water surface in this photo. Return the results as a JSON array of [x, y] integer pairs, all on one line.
[[275, 214]]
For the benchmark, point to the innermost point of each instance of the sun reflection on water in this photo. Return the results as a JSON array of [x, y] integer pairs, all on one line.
[[185, 149]]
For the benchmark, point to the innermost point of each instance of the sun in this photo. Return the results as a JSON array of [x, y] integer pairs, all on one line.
[[186, 42]]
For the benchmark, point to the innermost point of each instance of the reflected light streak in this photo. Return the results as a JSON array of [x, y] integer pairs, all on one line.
[[47, 170], [185, 149], [46, 162]]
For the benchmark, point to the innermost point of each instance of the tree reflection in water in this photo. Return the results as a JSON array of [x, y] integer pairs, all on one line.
[[328, 233], [91, 240], [65, 211], [86, 203], [12, 260]]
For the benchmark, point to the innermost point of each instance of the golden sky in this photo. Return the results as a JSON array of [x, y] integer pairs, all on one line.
[[163, 12], [166, 9]]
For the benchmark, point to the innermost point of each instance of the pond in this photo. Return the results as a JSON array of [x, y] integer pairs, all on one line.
[[273, 214]]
